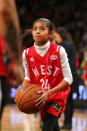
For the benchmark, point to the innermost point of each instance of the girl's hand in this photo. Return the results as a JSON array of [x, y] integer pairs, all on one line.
[[40, 102]]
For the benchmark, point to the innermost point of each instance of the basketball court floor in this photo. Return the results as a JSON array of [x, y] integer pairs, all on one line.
[[14, 120]]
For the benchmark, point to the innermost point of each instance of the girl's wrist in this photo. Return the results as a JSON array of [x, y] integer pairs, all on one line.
[[49, 93]]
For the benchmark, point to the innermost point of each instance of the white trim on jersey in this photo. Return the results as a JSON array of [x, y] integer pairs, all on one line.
[[27, 50], [57, 48]]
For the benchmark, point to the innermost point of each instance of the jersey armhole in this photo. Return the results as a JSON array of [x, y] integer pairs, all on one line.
[[26, 52], [58, 51]]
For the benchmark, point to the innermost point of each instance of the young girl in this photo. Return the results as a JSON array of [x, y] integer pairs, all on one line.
[[46, 64]]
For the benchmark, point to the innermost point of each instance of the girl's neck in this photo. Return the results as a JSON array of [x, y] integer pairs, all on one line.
[[40, 44], [42, 50]]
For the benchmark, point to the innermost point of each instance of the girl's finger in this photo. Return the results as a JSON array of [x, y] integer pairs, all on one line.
[[40, 92], [39, 103], [39, 99]]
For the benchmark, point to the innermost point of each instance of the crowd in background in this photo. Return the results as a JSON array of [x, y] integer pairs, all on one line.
[[69, 13]]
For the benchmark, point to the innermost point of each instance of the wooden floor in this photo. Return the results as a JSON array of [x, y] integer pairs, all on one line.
[[14, 120]]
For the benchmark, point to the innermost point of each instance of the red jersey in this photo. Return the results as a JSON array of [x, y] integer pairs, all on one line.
[[2, 63], [46, 72]]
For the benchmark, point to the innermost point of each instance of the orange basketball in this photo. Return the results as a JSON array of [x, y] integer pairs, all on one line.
[[26, 97]]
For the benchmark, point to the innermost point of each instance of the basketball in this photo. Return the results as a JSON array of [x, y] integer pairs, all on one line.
[[25, 98]]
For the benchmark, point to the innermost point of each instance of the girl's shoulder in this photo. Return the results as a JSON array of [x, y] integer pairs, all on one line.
[[29, 49], [59, 48]]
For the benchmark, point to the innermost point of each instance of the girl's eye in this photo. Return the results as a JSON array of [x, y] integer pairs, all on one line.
[[34, 28], [42, 28]]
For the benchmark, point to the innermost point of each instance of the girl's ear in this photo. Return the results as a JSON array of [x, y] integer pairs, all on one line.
[[51, 34]]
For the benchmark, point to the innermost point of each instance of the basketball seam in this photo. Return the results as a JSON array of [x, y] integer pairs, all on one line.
[[16, 100], [19, 92], [24, 95], [29, 101]]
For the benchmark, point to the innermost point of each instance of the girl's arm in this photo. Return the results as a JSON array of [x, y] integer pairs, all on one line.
[[59, 87], [66, 71], [25, 82], [25, 67]]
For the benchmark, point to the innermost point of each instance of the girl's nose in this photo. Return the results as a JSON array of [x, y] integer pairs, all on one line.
[[38, 30]]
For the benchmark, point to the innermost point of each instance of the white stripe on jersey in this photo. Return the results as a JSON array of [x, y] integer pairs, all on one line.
[[57, 48], [27, 50]]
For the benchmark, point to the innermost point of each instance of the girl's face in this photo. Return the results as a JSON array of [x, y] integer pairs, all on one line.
[[57, 38], [40, 33]]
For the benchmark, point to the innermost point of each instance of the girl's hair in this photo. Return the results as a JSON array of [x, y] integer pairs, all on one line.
[[49, 24], [64, 34], [27, 39]]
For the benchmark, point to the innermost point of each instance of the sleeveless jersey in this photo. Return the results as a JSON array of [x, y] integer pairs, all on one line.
[[46, 72], [2, 63]]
